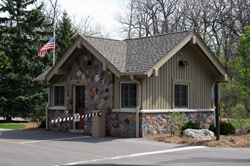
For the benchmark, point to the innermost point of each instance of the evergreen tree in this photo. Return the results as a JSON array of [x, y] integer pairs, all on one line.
[[20, 31], [65, 34]]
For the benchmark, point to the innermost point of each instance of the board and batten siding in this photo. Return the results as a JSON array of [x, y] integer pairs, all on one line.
[[158, 91]]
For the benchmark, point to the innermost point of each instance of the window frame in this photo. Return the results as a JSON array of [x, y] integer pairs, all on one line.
[[190, 92], [136, 98], [182, 84], [54, 97]]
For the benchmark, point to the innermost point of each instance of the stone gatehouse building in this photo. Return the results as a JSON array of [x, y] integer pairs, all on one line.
[[137, 82]]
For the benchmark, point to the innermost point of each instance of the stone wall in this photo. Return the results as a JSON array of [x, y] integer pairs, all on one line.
[[98, 88], [98, 85], [60, 126], [124, 124], [121, 125], [158, 123]]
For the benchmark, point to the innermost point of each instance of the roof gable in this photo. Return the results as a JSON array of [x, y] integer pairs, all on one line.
[[139, 56], [113, 50], [144, 53]]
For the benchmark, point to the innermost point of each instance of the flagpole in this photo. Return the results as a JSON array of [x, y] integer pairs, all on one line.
[[54, 51]]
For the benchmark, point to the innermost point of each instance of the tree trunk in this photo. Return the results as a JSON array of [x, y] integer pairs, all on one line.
[[8, 119]]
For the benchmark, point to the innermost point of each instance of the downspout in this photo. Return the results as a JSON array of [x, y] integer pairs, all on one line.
[[47, 110], [138, 107]]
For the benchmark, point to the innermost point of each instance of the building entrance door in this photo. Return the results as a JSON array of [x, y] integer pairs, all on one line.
[[80, 105]]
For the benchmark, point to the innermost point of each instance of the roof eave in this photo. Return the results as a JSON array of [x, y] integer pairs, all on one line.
[[213, 59], [79, 41], [196, 39], [170, 54], [61, 61], [100, 57], [134, 73]]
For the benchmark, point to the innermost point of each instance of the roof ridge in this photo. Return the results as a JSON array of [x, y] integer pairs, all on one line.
[[100, 38], [163, 34]]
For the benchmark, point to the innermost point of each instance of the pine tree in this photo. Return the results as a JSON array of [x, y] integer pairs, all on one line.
[[65, 34], [20, 31]]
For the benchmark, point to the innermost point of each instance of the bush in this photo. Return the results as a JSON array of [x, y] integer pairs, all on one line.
[[226, 128], [176, 120], [239, 115], [43, 123], [190, 125]]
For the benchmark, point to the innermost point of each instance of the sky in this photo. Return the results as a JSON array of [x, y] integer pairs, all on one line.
[[102, 11]]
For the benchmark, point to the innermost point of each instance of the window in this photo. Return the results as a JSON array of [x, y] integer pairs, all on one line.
[[128, 95], [59, 96], [181, 96]]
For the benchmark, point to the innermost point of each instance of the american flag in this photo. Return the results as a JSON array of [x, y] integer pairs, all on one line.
[[48, 46]]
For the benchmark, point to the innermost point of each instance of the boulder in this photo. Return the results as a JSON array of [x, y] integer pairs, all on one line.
[[203, 134]]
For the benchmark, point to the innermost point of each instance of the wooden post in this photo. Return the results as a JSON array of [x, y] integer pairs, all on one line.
[[216, 93]]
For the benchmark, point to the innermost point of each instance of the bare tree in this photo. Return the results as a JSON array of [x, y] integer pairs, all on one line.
[[219, 22], [52, 11], [87, 26]]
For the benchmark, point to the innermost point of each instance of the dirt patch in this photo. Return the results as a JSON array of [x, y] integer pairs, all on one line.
[[32, 126], [235, 141]]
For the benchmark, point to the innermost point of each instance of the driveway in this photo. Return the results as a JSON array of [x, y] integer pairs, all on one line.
[[60, 148]]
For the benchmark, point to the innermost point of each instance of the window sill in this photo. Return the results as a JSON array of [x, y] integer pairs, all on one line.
[[57, 108], [133, 110], [129, 110], [176, 110]]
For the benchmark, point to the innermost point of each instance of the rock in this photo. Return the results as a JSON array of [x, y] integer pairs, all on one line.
[[97, 78], [147, 117], [203, 134]]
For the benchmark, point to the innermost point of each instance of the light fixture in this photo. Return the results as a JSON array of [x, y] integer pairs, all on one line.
[[183, 63]]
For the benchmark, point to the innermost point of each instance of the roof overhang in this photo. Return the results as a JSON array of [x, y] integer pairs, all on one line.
[[193, 38], [78, 44]]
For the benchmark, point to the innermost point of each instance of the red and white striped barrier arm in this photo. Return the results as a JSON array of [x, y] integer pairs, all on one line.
[[76, 117]]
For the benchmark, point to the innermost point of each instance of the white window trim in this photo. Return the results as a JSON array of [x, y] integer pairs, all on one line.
[[53, 96], [128, 110], [57, 108], [162, 110], [181, 82], [127, 82]]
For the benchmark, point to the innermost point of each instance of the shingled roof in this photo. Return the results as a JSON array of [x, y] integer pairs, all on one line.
[[41, 77], [113, 50], [138, 54]]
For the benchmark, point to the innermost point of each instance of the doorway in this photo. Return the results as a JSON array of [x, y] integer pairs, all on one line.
[[80, 105]]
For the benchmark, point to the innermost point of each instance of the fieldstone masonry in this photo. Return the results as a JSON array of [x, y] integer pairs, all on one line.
[[158, 123], [61, 126], [98, 89], [121, 124]]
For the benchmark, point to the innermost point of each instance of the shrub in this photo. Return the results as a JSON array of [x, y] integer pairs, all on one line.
[[190, 125], [42, 123], [239, 114], [226, 128], [176, 120]]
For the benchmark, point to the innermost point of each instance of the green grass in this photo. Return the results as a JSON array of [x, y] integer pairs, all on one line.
[[12, 126], [236, 124]]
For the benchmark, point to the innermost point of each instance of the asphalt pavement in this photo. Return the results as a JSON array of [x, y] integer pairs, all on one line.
[[47, 148]]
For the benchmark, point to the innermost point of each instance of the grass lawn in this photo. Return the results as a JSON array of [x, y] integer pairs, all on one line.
[[12, 126], [236, 123]]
